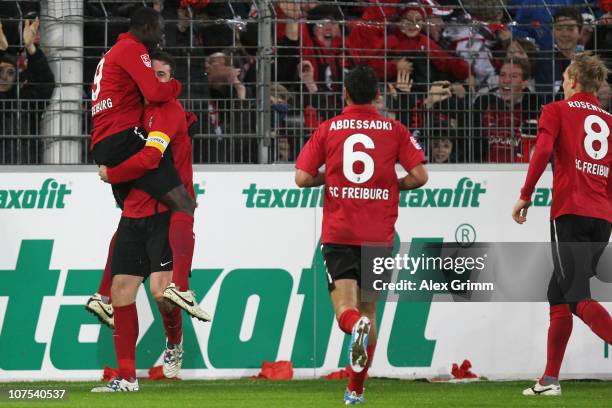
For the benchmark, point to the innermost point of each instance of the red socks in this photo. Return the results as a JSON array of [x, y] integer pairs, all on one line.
[[559, 332], [347, 320], [356, 380], [182, 241], [596, 317], [126, 334], [173, 323], [560, 329], [105, 284]]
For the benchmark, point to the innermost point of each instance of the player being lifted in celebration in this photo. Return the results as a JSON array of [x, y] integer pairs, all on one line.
[[576, 132], [142, 246], [359, 149], [123, 77]]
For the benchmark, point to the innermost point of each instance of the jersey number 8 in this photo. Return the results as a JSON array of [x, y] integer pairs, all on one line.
[[350, 157], [592, 136]]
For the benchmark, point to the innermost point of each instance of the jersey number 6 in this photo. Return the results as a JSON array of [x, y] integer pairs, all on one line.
[[350, 156]]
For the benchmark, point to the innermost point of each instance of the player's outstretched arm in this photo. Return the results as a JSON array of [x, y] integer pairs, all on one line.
[[304, 179], [416, 177]]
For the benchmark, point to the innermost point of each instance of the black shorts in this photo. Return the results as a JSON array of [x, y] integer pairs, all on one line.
[[117, 148], [353, 262], [577, 245], [142, 246]]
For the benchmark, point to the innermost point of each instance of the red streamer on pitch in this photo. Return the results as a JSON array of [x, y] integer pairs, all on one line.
[[463, 371], [279, 370]]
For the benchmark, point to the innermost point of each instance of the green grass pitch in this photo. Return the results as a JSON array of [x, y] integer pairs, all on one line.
[[316, 393]]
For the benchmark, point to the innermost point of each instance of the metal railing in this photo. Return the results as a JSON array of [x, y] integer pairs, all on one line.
[[273, 46]]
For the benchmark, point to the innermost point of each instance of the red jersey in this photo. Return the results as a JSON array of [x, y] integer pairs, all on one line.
[[167, 120], [577, 133], [360, 148], [123, 77]]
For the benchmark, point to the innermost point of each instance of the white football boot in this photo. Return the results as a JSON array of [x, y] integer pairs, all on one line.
[[186, 301], [358, 354], [118, 384], [539, 389], [103, 311], [173, 360]]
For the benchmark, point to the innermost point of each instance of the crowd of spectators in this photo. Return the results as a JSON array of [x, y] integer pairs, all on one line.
[[26, 84], [468, 77]]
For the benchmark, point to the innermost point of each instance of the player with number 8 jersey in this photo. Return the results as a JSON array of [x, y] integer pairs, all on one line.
[[576, 133], [577, 130], [360, 149]]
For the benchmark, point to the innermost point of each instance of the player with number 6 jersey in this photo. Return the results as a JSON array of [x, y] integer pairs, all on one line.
[[360, 149], [576, 133]]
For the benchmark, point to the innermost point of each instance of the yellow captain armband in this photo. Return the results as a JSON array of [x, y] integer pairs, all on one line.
[[158, 140]]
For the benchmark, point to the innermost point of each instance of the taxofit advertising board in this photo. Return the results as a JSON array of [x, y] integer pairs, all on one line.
[[258, 269]]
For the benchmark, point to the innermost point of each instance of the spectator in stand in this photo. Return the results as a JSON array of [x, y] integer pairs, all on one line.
[[225, 115], [476, 36], [503, 115], [204, 27], [523, 48], [408, 49], [430, 62], [517, 48], [11, 13], [290, 10], [602, 38], [280, 99], [23, 96], [444, 109], [435, 22], [534, 19], [438, 137], [549, 72], [371, 39], [310, 59], [288, 124], [434, 27], [441, 150]]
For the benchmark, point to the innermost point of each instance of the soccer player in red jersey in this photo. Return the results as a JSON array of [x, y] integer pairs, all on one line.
[[359, 149], [142, 246], [122, 79], [576, 133]]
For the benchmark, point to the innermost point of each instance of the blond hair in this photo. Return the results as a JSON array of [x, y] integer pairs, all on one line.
[[280, 92], [589, 70]]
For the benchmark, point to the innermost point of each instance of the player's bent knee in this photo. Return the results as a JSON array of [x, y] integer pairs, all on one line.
[[178, 199]]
